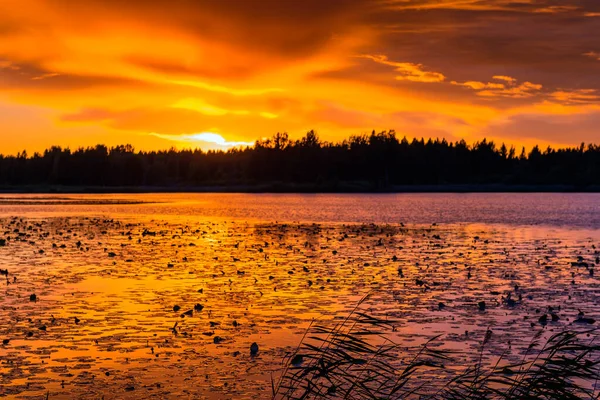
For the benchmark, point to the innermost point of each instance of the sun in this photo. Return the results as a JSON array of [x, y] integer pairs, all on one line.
[[205, 140]]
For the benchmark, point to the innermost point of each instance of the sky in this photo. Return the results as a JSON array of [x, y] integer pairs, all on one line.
[[222, 73]]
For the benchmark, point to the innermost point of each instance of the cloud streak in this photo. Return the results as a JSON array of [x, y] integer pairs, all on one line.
[[407, 71]]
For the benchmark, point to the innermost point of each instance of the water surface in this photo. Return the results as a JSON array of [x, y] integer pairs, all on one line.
[[557, 209], [108, 271]]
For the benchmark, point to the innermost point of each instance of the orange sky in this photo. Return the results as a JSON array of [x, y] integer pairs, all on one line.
[[185, 73]]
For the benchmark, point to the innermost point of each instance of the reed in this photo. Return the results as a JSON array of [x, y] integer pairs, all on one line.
[[354, 358]]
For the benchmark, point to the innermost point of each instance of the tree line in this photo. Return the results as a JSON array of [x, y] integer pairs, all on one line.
[[377, 161]]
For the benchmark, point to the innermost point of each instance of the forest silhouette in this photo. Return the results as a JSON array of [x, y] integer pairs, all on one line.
[[371, 162]]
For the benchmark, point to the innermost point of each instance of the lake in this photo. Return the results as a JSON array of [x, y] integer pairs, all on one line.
[[556, 209], [162, 295]]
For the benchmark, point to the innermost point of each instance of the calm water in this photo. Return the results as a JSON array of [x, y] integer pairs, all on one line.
[[562, 210], [117, 280]]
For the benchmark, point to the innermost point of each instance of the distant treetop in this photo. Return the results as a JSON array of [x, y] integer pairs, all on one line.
[[378, 161]]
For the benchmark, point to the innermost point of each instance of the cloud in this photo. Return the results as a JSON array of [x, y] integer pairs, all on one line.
[[490, 6], [557, 9], [593, 54], [228, 90], [45, 76], [408, 71], [504, 78], [524, 90], [268, 115], [207, 109], [568, 129], [90, 114], [479, 85], [5, 64], [473, 40], [508, 89], [580, 96], [24, 78]]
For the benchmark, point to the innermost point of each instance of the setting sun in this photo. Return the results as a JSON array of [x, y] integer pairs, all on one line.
[[206, 140]]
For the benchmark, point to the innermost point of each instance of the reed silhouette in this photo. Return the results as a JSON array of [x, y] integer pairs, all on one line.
[[355, 358]]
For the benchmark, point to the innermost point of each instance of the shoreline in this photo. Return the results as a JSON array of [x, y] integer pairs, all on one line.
[[341, 188]]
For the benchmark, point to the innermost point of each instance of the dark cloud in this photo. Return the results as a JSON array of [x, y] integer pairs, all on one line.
[[174, 68], [543, 42], [22, 76], [538, 41], [475, 44], [283, 28]]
